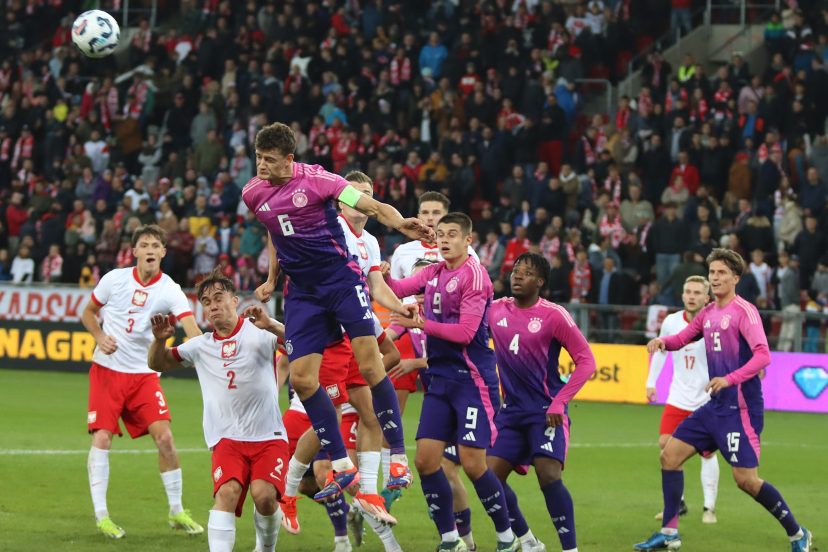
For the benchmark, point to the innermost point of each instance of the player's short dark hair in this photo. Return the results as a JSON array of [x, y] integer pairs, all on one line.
[[434, 196], [460, 219], [538, 262], [733, 260], [149, 230], [358, 176], [277, 136], [215, 279]]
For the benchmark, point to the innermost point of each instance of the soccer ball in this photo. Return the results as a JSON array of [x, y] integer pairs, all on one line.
[[96, 33]]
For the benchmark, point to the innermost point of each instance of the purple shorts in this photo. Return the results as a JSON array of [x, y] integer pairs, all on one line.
[[457, 413], [450, 453], [521, 437], [735, 434], [313, 318]]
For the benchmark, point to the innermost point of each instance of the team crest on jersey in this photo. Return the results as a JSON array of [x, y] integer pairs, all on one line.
[[534, 325], [139, 298], [363, 252], [299, 198], [431, 254], [91, 417], [217, 474], [725, 322], [333, 391], [228, 349], [452, 285], [289, 347]]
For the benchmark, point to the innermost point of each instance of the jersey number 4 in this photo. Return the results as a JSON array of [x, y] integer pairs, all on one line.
[[514, 346]]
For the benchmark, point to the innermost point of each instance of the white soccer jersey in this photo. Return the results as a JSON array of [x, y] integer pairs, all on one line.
[[402, 262], [363, 246], [690, 374], [127, 305], [238, 384]]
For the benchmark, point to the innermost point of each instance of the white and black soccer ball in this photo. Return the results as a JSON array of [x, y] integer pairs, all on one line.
[[96, 33]]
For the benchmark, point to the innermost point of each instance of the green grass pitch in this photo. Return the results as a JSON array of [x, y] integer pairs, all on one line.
[[612, 473]]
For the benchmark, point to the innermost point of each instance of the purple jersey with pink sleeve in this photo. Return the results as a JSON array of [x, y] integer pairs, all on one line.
[[527, 343], [737, 349], [456, 304], [302, 220]]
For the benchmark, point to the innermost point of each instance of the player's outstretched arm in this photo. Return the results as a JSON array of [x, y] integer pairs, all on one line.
[[568, 334], [259, 317], [390, 353], [656, 346], [190, 326], [160, 358], [385, 296], [89, 319], [386, 215], [282, 371]]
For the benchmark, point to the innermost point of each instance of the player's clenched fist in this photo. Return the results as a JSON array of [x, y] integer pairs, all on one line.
[[108, 345], [385, 268], [265, 291], [161, 327], [656, 346]]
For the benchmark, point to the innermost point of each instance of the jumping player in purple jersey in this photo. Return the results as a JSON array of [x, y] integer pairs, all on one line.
[[457, 407], [737, 350], [533, 425], [326, 290]]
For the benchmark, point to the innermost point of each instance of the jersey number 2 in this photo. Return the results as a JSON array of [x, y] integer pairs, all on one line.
[[232, 375]]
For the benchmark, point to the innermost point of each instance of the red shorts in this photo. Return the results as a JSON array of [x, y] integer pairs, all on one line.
[[407, 382], [135, 398], [671, 418], [348, 429], [296, 424], [246, 461], [333, 373]]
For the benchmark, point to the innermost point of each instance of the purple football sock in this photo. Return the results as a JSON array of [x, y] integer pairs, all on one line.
[[560, 508], [338, 513], [437, 492], [519, 525], [387, 407], [463, 521], [672, 487], [773, 502], [322, 415], [491, 495]]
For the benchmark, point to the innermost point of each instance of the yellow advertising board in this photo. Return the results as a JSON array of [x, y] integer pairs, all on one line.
[[620, 375]]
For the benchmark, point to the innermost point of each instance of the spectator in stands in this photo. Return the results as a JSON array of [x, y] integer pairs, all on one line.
[[491, 254], [809, 246], [786, 278], [5, 266], [433, 55], [52, 266], [23, 266]]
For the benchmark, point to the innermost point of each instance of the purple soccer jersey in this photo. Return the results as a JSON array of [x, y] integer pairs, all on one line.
[[302, 220], [737, 349], [527, 344]]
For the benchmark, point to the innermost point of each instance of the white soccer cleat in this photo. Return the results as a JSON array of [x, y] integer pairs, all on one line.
[[342, 546], [533, 546], [709, 516]]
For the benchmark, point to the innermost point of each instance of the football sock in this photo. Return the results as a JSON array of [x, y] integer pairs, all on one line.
[[369, 464], [773, 502], [387, 407], [672, 487], [710, 480], [450, 536], [384, 532], [322, 414], [462, 520], [173, 484], [560, 508], [221, 531], [490, 492], [296, 471], [527, 538], [98, 467], [267, 529], [518, 522], [338, 513], [386, 464], [437, 492]]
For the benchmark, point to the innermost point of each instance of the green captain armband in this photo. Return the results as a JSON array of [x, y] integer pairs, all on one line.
[[350, 196]]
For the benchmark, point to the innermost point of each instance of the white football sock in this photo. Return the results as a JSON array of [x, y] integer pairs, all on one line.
[[386, 464], [221, 531], [369, 464], [342, 464], [528, 537], [710, 480], [468, 538], [267, 529], [296, 471], [505, 536], [97, 465], [451, 536], [384, 532], [174, 485]]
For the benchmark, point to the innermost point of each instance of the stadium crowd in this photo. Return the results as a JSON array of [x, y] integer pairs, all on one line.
[[477, 100]]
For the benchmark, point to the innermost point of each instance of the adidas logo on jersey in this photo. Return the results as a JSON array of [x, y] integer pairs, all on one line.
[[469, 436], [502, 323], [264, 208], [547, 447], [368, 316], [707, 323]]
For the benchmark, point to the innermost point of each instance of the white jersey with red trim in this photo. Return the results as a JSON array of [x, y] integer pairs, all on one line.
[[690, 374], [127, 305], [363, 246], [241, 398], [404, 257]]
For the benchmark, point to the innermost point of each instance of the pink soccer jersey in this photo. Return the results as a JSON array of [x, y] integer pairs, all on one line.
[[527, 344], [737, 349], [302, 220]]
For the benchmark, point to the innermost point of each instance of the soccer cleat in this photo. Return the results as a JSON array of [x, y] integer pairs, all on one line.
[[109, 529], [342, 545], [533, 546], [659, 541], [390, 496], [709, 516], [400, 476], [513, 546], [183, 521], [803, 544], [290, 517], [682, 511], [373, 505], [337, 482], [356, 525], [456, 546]]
